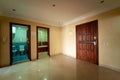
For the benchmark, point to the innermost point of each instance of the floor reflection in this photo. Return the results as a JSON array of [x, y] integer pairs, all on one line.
[[58, 67]]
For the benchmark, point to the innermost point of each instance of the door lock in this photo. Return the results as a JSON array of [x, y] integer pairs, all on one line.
[[94, 42]]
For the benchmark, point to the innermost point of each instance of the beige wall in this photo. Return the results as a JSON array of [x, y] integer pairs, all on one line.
[[109, 38], [55, 39]]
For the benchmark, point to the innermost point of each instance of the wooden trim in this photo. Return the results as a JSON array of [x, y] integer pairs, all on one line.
[[10, 43], [87, 22], [29, 42], [97, 42], [76, 42], [29, 45], [48, 39]]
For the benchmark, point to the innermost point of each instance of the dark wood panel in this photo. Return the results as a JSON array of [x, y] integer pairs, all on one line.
[[42, 49], [87, 41], [42, 43]]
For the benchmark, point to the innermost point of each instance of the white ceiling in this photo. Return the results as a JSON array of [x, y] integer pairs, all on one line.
[[65, 11]]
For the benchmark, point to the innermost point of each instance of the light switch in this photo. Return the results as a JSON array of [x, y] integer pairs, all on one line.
[[105, 43]]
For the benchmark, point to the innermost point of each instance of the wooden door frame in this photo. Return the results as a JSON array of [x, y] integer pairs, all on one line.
[[48, 33], [29, 35], [97, 40]]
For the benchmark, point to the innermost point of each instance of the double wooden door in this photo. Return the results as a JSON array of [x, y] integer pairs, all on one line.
[[87, 41]]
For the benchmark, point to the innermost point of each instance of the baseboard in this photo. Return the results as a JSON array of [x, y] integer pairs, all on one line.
[[2, 66], [69, 56], [33, 59], [55, 54], [110, 67]]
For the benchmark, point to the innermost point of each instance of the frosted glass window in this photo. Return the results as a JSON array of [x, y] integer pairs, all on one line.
[[42, 35], [19, 33]]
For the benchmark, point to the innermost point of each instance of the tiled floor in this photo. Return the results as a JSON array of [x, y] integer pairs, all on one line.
[[42, 54], [57, 68]]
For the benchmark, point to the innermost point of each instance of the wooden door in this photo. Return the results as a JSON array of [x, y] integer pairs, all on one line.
[[87, 42]]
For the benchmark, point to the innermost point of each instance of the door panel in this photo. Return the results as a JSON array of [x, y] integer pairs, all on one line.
[[87, 42]]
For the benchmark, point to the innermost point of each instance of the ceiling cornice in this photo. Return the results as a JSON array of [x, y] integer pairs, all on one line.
[[30, 19], [93, 13]]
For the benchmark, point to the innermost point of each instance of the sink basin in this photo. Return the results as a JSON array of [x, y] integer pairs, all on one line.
[[42, 46]]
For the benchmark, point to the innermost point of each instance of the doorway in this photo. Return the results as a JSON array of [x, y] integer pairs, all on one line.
[[42, 42], [87, 42], [19, 43]]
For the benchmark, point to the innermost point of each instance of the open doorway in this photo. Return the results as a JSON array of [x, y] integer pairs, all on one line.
[[19, 43], [42, 42]]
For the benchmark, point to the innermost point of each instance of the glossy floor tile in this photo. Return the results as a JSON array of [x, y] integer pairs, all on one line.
[[42, 55], [58, 67]]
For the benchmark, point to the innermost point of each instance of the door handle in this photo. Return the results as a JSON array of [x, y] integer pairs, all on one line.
[[94, 42]]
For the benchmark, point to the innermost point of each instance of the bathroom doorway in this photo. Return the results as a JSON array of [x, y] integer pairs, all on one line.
[[19, 43], [42, 42]]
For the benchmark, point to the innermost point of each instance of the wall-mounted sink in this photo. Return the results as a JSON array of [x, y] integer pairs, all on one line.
[[42, 46]]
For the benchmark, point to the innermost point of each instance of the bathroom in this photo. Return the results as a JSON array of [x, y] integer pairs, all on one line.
[[19, 43], [42, 42]]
